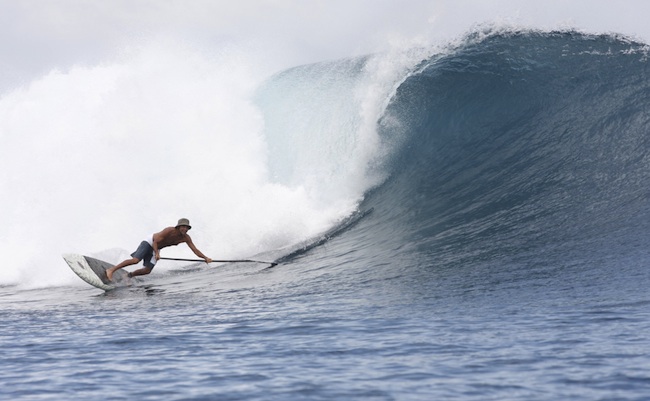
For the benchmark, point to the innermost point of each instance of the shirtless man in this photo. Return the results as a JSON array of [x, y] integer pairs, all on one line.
[[149, 250]]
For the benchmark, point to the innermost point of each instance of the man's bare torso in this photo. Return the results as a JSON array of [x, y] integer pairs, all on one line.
[[170, 236]]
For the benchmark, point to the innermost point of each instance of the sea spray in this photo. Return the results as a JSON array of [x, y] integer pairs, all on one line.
[[99, 157]]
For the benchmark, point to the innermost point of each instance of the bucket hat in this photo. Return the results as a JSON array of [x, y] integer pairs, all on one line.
[[183, 222]]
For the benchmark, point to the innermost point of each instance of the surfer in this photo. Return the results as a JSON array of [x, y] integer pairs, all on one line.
[[149, 250]]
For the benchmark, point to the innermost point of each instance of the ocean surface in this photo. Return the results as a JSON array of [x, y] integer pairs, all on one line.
[[499, 250]]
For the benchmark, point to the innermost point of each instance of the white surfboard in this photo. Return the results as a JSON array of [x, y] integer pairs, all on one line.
[[93, 271]]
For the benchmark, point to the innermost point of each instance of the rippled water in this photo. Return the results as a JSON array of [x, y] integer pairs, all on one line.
[[306, 330]]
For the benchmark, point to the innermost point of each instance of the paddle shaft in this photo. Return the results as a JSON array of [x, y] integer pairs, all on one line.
[[222, 261]]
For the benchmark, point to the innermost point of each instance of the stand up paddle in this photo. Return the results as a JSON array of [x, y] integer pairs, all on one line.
[[223, 261]]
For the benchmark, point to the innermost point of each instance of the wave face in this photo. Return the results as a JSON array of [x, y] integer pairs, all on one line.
[[528, 148], [518, 148]]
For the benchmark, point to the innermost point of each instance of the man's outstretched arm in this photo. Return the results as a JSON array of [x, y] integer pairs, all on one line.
[[196, 251]]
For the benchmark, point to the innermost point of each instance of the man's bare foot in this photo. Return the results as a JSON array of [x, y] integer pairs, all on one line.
[[109, 274]]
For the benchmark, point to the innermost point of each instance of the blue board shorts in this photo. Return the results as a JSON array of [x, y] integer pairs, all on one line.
[[145, 253]]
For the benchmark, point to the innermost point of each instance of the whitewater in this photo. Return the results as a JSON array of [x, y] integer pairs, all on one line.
[[464, 221]]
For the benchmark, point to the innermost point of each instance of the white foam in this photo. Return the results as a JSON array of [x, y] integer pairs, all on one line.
[[96, 158]]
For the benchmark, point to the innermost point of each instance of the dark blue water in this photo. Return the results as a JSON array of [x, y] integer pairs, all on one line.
[[504, 258]]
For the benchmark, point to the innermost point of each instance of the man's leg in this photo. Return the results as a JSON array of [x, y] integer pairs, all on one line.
[[128, 262], [141, 272]]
